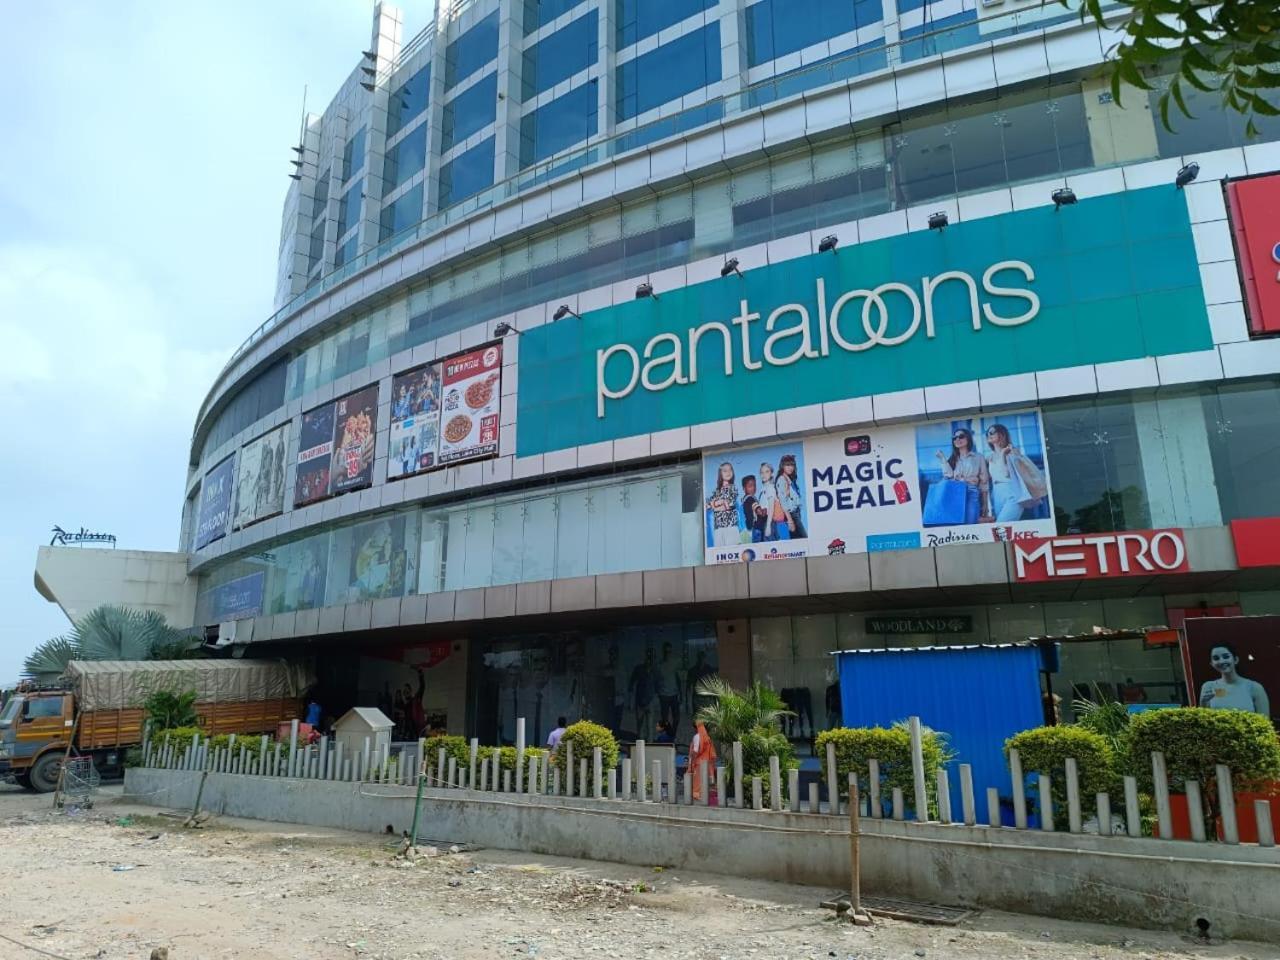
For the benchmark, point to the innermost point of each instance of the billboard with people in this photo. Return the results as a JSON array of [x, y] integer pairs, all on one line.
[[336, 446], [260, 478], [972, 479], [1233, 663]]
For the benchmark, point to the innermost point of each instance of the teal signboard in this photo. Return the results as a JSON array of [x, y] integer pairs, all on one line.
[[1111, 278]]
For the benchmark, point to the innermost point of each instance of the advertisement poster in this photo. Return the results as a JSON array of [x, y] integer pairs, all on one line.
[[215, 503], [379, 561], [315, 450], [260, 478], [1233, 663], [355, 427], [415, 422], [470, 407], [237, 598], [976, 479], [302, 569]]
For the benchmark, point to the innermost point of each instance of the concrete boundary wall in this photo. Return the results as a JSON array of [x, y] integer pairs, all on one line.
[[1141, 882]]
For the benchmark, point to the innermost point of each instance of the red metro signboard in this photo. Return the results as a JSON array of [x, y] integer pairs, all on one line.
[[1255, 218], [1090, 556]]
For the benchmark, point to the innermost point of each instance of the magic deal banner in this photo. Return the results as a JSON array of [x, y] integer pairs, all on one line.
[[260, 478], [976, 479], [215, 503]]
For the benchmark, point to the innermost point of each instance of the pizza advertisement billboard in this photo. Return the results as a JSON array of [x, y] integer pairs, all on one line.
[[355, 428], [470, 407]]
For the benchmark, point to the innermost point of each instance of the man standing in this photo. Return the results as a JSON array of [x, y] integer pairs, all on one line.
[[669, 689], [553, 738]]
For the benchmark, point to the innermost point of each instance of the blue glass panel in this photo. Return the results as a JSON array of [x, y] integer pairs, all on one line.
[[467, 174], [864, 59], [471, 51], [538, 12], [349, 206], [559, 124], [774, 29], [939, 36], [669, 126], [345, 252], [408, 100], [469, 111], [638, 19], [404, 213], [405, 159], [669, 72], [353, 154], [561, 55]]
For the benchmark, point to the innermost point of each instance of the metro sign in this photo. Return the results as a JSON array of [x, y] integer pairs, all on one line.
[[1135, 553]]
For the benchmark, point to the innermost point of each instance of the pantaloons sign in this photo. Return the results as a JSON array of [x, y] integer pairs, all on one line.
[[1111, 278], [669, 359]]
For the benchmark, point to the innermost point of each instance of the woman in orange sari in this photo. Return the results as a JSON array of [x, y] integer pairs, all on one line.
[[702, 755]]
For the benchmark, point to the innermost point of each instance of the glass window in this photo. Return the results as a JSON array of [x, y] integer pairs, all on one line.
[[1095, 465], [349, 207], [402, 214], [669, 72], [471, 51], [467, 174], [344, 254], [1245, 445], [39, 708], [558, 125], [353, 154], [637, 19], [470, 111], [408, 100], [560, 55], [939, 36], [321, 199], [774, 29], [405, 159], [539, 12]]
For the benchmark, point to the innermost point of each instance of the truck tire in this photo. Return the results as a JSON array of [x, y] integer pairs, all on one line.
[[44, 774]]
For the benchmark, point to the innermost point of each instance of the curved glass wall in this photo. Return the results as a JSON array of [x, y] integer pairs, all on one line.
[[981, 145]]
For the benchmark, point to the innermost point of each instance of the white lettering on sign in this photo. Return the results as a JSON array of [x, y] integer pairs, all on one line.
[[1101, 555], [670, 359]]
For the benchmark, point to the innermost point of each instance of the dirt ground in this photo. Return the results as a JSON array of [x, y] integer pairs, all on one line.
[[119, 880]]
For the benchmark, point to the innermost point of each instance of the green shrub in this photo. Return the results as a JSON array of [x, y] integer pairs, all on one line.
[[179, 738], [1194, 740], [1046, 749], [507, 758], [456, 747], [891, 746], [585, 737]]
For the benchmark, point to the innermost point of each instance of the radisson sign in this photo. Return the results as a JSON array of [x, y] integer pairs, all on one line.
[[1111, 278]]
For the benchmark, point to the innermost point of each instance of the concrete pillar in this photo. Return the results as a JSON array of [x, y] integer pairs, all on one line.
[[899, 805], [1019, 790], [1195, 810], [814, 803], [452, 771], [1227, 804], [506, 781], [873, 791], [1045, 796], [721, 799], [613, 783], [440, 758], [519, 771], [568, 767], [597, 772], [582, 777], [833, 783], [533, 774], [917, 770], [757, 794], [703, 784], [293, 746], [739, 798], [657, 783], [1266, 828], [775, 784], [484, 774], [1104, 815], [944, 795], [1132, 813], [968, 807], [626, 778], [638, 754], [1164, 813], [546, 776], [475, 751], [687, 786], [793, 791], [1073, 796], [993, 807], [555, 781]]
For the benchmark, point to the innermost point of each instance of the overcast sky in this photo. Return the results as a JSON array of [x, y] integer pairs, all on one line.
[[144, 153]]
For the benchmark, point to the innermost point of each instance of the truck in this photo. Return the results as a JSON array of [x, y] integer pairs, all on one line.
[[96, 709]]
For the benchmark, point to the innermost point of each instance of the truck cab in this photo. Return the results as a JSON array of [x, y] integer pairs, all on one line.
[[35, 728]]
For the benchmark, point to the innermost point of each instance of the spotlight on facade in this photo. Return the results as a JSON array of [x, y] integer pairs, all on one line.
[[939, 220], [645, 290], [730, 266], [1187, 174], [828, 243], [1063, 197], [503, 329], [563, 311]]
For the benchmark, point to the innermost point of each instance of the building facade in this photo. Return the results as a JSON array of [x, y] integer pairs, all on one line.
[[624, 342]]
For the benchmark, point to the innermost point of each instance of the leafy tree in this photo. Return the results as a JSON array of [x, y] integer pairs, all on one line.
[[166, 709], [111, 633], [735, 713], [1231, 47]]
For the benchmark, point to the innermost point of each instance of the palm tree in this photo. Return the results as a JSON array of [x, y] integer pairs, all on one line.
[[734, 713], [110, 633]]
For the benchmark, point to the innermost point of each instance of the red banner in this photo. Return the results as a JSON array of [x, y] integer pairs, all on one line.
[[1134, 553], [1255, 217], [1257, 541]]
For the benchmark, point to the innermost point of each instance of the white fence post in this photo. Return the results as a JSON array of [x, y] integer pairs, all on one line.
[[1019, 790], [833, 782], [1164, 812], [1266, 828], [993, 807], [597, 772], [757, 794], [626, 778], [641, 770], [899, 805], [1195, 810], [814, 804], [793, 790], [1132, 813], [1104, 815], [876, 808], [1074, 820], [721, 793], [967, 801], [1045, 796], [657, 783], [568, 767], [1227, 804], [944, 795], [775, 783], [739, 798]]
